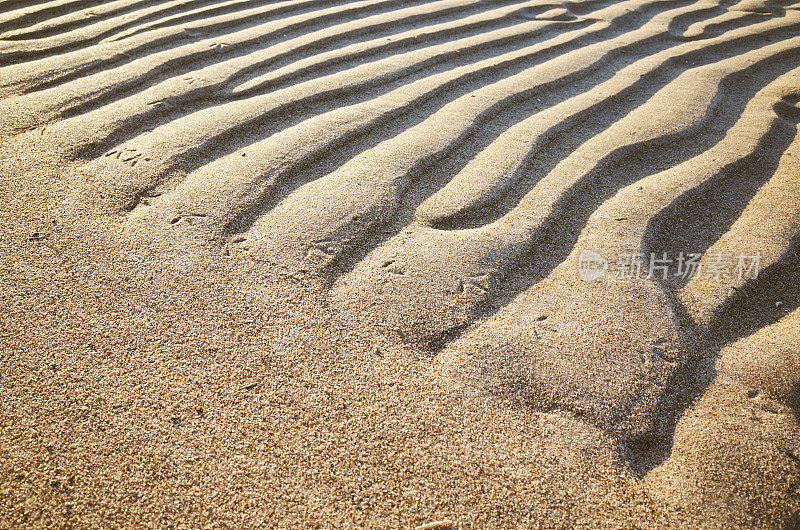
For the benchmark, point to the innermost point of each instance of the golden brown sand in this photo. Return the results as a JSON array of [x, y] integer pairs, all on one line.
[[311, 263]]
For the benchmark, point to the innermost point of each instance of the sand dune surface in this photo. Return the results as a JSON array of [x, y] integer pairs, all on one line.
[[388, 263]]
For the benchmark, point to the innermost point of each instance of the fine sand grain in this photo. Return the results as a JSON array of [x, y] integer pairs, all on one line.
[[319, 263]]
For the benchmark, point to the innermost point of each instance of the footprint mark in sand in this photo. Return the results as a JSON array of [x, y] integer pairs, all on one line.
[[187, 218], [128, 155]]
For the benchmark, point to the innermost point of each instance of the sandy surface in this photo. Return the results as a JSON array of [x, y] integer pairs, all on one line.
[[316, 263]]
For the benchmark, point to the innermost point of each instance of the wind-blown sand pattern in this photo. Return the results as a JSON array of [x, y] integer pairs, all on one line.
[[430, 173]]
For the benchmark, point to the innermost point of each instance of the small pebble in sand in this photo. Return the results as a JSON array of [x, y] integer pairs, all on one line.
[[436, 525]]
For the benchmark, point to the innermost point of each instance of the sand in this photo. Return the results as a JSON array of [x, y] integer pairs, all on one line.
[[312, 263]]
